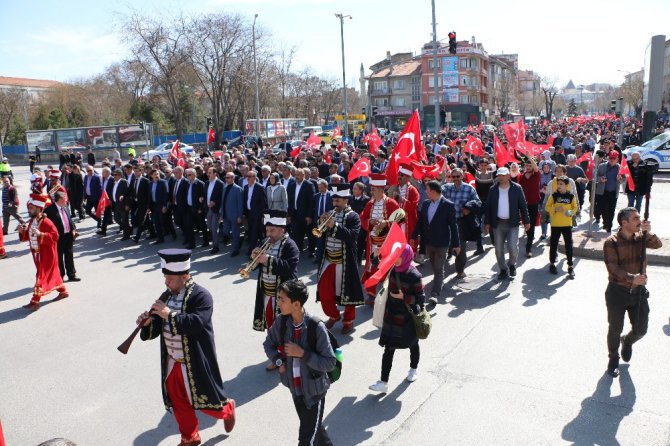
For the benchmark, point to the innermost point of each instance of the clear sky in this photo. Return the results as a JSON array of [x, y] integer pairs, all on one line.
[[586, 41]]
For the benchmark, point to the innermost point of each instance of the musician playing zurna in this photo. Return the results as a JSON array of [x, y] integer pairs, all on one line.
[[278, 258], [339, 282], [190, 375]]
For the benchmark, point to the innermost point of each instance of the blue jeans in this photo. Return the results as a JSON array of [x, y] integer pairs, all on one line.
[[506, 235], [635, 199]]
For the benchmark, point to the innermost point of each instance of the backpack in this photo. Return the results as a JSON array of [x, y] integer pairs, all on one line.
[[312, 322]]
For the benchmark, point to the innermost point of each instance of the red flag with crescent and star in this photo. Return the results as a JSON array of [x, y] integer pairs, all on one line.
[[337, 133], [313, 141], [502, 155], [211, 136], [589, 170], [408, 148], [102, 204], [390, 251], [360, 169], [625, 170], [474, 146], [176, 154]]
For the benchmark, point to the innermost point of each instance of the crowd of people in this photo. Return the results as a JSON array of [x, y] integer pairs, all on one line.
[[276, 206]]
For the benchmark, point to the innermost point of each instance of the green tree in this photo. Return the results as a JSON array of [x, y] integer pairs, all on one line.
[[57, 119], [17, 133], [572, 108], [78, 116], [41, 120]]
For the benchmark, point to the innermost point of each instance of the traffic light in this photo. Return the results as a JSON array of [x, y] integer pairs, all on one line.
[[613, 105], [374, 110], [141, 124], [452, 42], [209, 121]]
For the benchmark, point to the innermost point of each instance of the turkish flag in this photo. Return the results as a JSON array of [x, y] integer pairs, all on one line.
[[337, 133], [211, 136], [295, 152], [373, 142], [313, 141], [589, 170], [512, 133], [502, 155], [390, 252], [360, 169], [453, 143], [102, 204], [625, 170], [176, 154], [420, 171], [408, 148], [474, 146]]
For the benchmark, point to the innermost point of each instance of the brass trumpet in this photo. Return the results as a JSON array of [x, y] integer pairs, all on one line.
[[319, 230], [397, 216], [253, 263]]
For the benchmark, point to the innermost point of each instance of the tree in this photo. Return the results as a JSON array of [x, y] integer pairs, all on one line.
[[159, 48], [57, 119], [632, 91], [549, 90], [10, 103], [504, 90], [16, 134], [572, 108], [41, 120]]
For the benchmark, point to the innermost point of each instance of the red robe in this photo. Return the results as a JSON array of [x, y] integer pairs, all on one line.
[[410, 205], [47, 278], [390, 205]]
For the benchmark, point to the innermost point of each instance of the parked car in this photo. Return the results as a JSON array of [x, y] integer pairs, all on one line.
[[163, 151], [294, 143], [656, 150]]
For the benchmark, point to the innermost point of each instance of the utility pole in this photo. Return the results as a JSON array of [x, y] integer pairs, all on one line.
[[258, 103], [435, 73], [344, 76]]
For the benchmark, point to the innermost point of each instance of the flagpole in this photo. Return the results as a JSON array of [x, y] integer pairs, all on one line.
[[435, 74], [344, 77]]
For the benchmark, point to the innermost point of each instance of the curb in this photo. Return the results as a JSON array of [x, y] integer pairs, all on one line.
[[592, 248]]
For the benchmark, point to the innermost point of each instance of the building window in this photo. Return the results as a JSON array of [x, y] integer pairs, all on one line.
[[467, 62], [398, 102], [381, 102], [416, 92], [469, 81], [431, 65], [469, 99], [380, 86], [416, 80], [398, 85], [431, 81]]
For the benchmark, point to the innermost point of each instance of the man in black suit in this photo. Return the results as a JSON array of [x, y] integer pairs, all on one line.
[[322, 204], [119, 201], [285, 146], [213, 196], [140, 204], [60, 216], [255, 203], [107, 185], [300, 207], [357, 203], [75, 192], [195, 215], [159, 194], [438, 225], [178, 190]]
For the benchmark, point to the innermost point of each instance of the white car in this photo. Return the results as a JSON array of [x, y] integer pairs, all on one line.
[[656, 149], [163, 151]]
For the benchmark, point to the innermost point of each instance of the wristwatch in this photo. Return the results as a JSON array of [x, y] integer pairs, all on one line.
[[279, 362]]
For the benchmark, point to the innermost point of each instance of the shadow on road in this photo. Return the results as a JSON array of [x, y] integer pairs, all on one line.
[[28, 291], [349, 421], [167, 427], [539, 283], [487, 294], [263, 381], [598, 420]]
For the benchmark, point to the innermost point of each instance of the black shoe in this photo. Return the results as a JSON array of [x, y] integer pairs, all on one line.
[[613, 368], [205, 244], [151, 236], [571, 272], [310, 255], [214, 250], [76, 278], [512, 270], [234, 254], [502, 275], [626, 349], [190, 246], [136, 239], [552, 269], [479, 251], [158, 242], [101, 232], [125, 237]]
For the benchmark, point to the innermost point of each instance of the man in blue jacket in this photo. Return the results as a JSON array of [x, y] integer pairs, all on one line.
[[92, 191], [159, 195], [505, 202], [232, 212]]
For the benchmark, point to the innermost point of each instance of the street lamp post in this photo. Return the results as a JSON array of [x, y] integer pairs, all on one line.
[[258, 103], [435, 74], [344, 76]]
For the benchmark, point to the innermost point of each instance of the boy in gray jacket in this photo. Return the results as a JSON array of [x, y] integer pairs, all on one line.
[[302, 370]]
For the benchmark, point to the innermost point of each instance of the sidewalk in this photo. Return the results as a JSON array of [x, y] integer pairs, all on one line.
[[592, 248]]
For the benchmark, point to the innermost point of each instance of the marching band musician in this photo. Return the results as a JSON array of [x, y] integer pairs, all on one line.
[[42, 236], [408, 199], [339, 280], [374, 220], [56, 186], [190, 374], [278, 264]]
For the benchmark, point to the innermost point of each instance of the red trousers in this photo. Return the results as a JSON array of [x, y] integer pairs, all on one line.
[[328, 299], [183, 409]]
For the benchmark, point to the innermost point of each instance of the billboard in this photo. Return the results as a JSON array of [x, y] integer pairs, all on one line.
[[46, 140], [450, 78]]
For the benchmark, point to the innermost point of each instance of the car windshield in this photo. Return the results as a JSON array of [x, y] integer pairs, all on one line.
[[657, 141]]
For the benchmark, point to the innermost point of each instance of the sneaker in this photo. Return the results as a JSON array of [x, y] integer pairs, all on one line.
[[512, 270], [411, 375], [432, 300], [529, 255], [626, 350], [552, 269], [613, 367], [502, 275], [571, 272], [543, 237], [379, 386]]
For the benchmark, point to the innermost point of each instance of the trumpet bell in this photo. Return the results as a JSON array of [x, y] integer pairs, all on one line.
[[316, 232]]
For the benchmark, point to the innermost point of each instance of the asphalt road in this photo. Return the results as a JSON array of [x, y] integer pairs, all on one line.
[[510, 363]]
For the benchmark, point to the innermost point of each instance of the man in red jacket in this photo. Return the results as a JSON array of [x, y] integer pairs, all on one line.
[[530, 183]]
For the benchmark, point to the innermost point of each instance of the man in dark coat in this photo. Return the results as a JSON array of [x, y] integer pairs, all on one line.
[[158, 192], [300, 207], [75, 192], [92, 191], [182, 317], [140, 203], [277, 265], [119, 199], [255, 202], [90, 157], [339, 281], [194, 219], [67, 232]]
